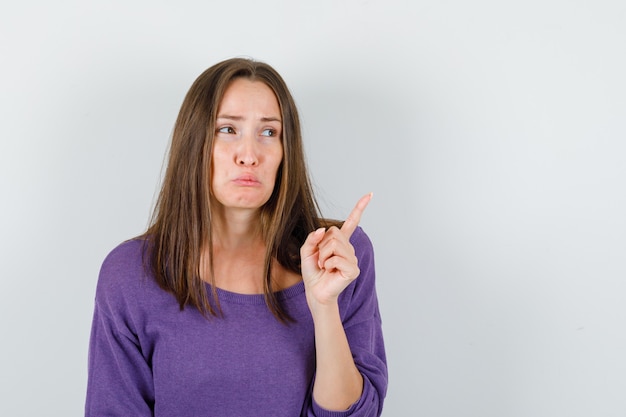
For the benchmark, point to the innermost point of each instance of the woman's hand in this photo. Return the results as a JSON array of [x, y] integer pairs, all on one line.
[[329, 264]]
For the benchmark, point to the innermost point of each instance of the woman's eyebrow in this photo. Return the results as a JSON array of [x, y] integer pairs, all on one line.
[[239, 118], [270, 119]]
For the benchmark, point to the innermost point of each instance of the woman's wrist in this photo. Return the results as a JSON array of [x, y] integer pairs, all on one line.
[[322, 311]]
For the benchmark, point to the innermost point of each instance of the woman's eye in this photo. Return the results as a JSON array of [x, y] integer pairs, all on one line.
[[226, 129], [268, 132]]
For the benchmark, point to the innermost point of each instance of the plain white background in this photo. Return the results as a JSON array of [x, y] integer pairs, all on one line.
[[492, 134]]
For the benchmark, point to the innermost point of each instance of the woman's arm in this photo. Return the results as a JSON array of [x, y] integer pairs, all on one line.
[[329, 265], [338, 382], [119, 376]]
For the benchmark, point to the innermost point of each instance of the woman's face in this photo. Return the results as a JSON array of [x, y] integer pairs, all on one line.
[[247, 149]]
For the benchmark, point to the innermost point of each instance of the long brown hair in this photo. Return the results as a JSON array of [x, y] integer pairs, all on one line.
[[181, 223]]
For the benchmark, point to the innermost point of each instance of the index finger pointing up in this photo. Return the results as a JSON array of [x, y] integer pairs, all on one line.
[[349, 226]]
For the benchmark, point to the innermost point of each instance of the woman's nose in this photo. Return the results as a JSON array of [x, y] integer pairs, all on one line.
[[247, 153]]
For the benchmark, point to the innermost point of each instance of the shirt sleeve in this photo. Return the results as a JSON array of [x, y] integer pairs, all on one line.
[[119, 375], [362, 323]]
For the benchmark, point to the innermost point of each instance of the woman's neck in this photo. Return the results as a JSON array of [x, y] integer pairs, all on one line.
[[236, 229], [239, 254]]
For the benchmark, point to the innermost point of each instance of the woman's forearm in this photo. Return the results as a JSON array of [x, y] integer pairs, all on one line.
[[338, 382]]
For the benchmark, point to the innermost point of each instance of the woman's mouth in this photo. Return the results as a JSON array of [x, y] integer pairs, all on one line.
[[246, 180]]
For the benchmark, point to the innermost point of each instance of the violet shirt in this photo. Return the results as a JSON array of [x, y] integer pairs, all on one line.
[[149, 358]]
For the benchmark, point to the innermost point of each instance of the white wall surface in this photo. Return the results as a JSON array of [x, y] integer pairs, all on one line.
[[491, 132]]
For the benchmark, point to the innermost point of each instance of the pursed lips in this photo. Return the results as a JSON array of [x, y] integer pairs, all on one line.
[[247, 180]]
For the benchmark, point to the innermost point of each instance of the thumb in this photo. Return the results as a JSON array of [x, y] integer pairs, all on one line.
[[309, 247]]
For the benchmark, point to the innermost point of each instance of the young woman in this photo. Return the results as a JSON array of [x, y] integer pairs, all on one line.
[[239, 300]]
